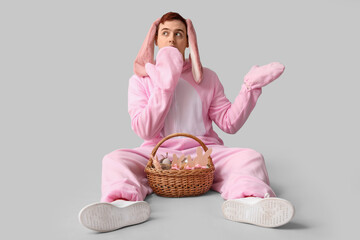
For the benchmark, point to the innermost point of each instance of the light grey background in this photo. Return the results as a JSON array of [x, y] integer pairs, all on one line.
[[64, 74]]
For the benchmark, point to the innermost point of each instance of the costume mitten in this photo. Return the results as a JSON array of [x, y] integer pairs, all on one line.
[[259, 77], [167, 70]]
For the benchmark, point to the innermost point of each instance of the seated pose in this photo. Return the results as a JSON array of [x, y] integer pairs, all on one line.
[[178, 95]]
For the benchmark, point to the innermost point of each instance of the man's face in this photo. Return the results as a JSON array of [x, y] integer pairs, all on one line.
[[172, 33]]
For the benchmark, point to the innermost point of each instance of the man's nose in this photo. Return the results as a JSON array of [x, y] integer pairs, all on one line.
[[171, 38]]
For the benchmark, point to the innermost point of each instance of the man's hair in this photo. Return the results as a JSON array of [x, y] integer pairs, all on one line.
[[170, 16]]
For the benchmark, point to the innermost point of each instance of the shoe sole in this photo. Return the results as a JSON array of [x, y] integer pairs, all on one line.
[[105, 217], [268, 212]]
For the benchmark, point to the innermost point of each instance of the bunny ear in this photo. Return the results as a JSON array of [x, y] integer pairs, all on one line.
[[194, 53], [146, 53], [191, 162], [199, 151], [208, 152], [205, 158], [176, 161], [156, 163]]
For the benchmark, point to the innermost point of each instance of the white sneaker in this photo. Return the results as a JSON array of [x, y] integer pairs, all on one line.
[[105, 217], [264, 212]]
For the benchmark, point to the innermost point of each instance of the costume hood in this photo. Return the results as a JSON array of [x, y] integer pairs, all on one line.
[[146, 53]]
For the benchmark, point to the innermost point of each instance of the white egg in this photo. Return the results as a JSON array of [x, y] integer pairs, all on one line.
[[166, 161]]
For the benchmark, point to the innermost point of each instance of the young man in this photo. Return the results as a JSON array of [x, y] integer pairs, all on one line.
[[172, 95]]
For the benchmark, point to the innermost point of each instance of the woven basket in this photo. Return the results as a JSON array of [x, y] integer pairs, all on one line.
[[180, 183]]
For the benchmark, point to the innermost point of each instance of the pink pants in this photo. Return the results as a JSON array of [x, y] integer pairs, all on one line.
[[239, 172]]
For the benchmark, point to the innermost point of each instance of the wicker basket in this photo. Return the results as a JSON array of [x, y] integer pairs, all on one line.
[[180, 183]]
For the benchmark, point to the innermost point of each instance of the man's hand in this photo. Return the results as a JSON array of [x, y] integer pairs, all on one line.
[[167, 70], [259, 77]]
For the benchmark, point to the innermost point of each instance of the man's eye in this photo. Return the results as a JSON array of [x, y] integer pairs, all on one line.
[[179, 34], [165, 33]]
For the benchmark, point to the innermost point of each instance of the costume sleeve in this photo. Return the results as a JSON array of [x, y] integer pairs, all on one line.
[[147, 111], [230, 117]]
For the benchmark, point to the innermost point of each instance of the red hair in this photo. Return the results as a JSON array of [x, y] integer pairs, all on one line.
[[170, 16]]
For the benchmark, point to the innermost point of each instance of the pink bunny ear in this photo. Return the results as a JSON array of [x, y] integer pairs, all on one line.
[[194, 52], [146, 53]]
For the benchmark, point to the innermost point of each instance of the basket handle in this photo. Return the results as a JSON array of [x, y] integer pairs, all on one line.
[[177, 135]]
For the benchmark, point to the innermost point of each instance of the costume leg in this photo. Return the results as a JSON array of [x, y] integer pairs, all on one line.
[[239, 173], [123, 175], [123, 178]]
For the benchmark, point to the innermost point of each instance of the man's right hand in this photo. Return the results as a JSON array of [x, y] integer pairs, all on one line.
[[167, 70]]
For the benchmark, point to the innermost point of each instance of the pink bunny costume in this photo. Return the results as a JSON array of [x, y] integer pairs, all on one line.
[[172, 95]]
